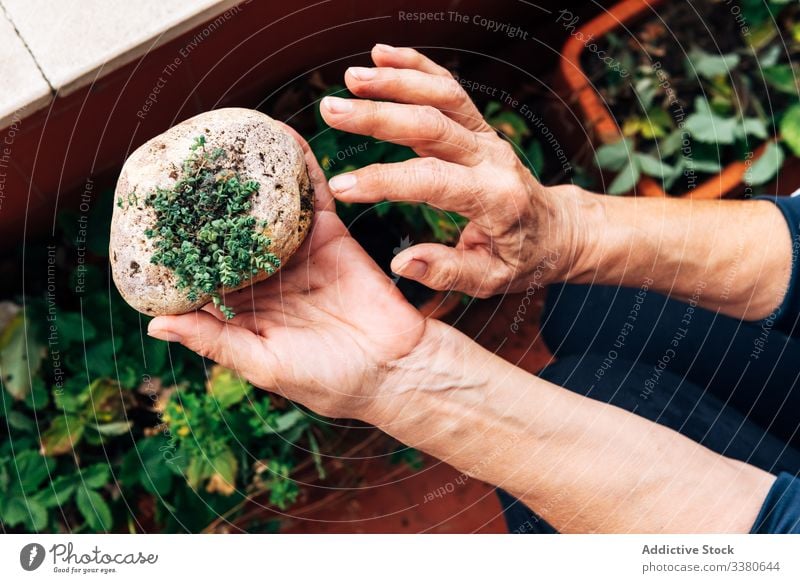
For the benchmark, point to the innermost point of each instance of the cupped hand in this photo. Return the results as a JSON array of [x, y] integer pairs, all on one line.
[[324, 331], [519, 230]]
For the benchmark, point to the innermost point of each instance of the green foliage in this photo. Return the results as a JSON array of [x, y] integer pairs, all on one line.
[[712, 66], [629, 165], [709, 127], [31, 491], [783, 78], [20, 356], [760, 12], [766, 167], [683, 124], [203, 231], [100, 418], [790, 129]]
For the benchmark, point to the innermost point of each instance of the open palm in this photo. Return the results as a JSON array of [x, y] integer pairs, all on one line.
[[321, 331]]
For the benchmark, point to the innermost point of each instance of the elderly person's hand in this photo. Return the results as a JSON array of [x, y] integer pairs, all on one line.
[[519, 231], [331, 331], [325, 331], [523, 235]]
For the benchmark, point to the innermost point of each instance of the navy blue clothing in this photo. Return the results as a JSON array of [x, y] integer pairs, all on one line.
[[787, 314], [732, 386], [781, 510]]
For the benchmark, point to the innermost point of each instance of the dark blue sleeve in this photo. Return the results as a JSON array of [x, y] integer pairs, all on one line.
[[780, 513], [785, 317]]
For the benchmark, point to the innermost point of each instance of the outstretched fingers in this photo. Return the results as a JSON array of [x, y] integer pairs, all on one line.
[[425, 129], [406, 58], [417, 88], [441, 184]]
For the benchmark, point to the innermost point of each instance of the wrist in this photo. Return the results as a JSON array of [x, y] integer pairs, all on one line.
[[567, 236], [442, 361]]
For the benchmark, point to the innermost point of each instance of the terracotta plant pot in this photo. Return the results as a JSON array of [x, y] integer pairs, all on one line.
[[596, 115]]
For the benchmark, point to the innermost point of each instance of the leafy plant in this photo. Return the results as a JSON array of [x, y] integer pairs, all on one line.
[[101, 419], [684, 119], [203, 230], [31, 492]]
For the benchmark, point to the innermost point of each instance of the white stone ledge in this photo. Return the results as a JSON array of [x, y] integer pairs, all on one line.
[[59, 46], [23, 88]]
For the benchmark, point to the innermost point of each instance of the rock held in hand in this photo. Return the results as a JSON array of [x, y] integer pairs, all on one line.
[[215, 203]]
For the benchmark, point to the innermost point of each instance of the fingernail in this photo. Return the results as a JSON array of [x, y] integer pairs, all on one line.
[[337, 104], [414, 268], [384, 48], [362, 73], [342, 182], [165, 335]]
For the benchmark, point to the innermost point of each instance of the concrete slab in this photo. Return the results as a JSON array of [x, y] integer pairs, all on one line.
[[24, 88], [75, 42]]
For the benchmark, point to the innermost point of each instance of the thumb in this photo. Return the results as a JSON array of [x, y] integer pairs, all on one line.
[[201, 332], [439, 267]]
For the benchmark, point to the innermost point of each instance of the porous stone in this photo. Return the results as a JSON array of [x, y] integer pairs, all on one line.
[[256, 146]]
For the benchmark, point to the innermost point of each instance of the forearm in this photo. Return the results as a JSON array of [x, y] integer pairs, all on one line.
[[731, 256], [582, 465]]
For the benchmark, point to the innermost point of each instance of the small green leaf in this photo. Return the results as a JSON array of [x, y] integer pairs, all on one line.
[[652, 166], [72, 328], [63, 435], [315, 454], [706, 166], [33, 468], [767, 166], [14, 511], [286, 421], [709, 65], [39, 397], [21, 422], [614, 156], [94, 509], [58, 492], [492, 108], [198, 470], [708, 127], [149, 464], [790, 129], [752, 126], [20, 356], [671, 144], [37, 515], [227, 387], [510, 125], [100, 358], [112, 429], [626, 179], [95, 476], [223, 478], [783, 78]]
